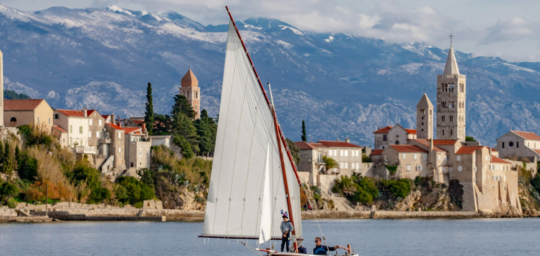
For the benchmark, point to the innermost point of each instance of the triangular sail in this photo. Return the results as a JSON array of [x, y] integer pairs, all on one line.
[[245, 131], [266, 207]]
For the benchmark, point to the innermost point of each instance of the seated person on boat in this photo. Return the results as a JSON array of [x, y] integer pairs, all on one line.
[[323, 249]]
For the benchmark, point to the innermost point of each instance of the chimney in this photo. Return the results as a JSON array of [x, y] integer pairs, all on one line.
[[347, 139], [143, 128], [490, 154], [85, 112], [113, 120], [337, 139], [430, 152]]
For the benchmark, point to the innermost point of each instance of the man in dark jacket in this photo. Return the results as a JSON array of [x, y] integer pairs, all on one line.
[[286, 229], [323, 249]]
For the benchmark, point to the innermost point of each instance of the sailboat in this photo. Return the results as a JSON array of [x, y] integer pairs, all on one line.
[[254, 179]]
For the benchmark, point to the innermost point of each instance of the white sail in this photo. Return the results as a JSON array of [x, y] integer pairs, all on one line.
[[245, 128], [266, 207]]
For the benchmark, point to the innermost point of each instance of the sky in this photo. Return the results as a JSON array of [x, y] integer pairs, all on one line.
[[506, 29]]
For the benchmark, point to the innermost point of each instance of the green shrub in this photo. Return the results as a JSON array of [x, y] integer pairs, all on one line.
[[536, 182], [12, 203], [28, 167], [98, 195], [392, 169], [7, 191], [138, 205], [366, 159], [356, 189], [136, 190], [86, 174], [397, 188]]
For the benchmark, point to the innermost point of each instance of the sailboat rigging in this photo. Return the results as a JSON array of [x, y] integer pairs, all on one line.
[[254, 179]]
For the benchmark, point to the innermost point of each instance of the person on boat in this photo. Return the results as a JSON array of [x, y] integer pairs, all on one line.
[[323, 249], [286, 229]]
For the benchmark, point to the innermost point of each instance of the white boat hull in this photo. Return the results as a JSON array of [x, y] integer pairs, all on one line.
[[275, 253]]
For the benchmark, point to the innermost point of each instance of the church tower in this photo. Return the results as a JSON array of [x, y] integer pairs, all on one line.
[[424, 118], [451, 101], [1, 89], [190, 89]]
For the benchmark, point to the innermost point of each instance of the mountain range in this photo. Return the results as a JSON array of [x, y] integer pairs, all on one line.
[[342, 85]]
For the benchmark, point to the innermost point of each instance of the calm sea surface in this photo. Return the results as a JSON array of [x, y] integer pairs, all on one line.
[[368, 237]]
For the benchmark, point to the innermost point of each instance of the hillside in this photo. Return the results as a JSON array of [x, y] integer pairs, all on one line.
[[342, 85]]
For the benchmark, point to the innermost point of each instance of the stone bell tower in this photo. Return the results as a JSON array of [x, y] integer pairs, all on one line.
[[1, 89], [451, 101], [190, 89], [424, 118]]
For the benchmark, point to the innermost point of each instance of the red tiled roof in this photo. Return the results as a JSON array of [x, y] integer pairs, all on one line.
[[308, 145], [138, 121], [466, 150], [105, 116], [495, 159], [527, 135], [377, 152], [408, 148], [21, 105], [383, 130], [340, 144], [426, 143], [58, 128], [126, 129], [444, 142], [537, 151], [411, 131], [90, 111]]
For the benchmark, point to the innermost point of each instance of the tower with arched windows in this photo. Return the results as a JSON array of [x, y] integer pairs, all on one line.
[[424, 118], [190, 89], [451, 101]]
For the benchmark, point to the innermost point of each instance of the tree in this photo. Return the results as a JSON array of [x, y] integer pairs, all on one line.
[[183, 126], [182, 105], [8, 190], [180, 141], [330, 162], [295, 151], [304, 136], [149, 113], [9, 162], [469, 138], [206, 130]]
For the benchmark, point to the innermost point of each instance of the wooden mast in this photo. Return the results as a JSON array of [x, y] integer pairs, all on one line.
[[278, 130]]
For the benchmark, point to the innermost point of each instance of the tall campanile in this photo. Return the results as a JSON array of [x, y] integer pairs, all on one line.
[[1, 89], [451, 101], [190, 89]]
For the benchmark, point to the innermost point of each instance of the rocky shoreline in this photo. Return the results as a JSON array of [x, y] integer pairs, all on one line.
[[152, 212]]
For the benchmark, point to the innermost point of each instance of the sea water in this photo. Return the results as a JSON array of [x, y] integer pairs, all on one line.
[[367, 237]]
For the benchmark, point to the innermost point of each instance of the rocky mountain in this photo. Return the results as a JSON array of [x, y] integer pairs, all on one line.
[[342, 85]]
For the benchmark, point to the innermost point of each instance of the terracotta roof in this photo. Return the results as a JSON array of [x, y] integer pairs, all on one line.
[[411, 131], [425, 142], [308, 145], [189, 80], [444, 142], [58, 128], [377, 152], [105, 116], [468, 150], [340, 144], [537, 151], [21, 105], [126, 129], [90, 111], [383, 130], [408, 148], [76, 113], [138, 121], [527, 135], [495, 159]]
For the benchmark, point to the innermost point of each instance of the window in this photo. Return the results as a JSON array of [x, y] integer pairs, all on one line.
[[38, 120], [196, 95], [329, 152], [503, 144], [97, 134], [100, 122], [475, 169], [461, 87], [71, 129], [89, 134], [119, 150], [517, 144], [451, 118], [408, 168], [425, 156], [458, 158], [511, 144], [341, 153], [13, 119], [346, 165], [443, 132], [119, 135], [415, 156], [140, 152], [131, 164], [55, 116], [450, 169], [49, 120], [460, 168], [487, 157], [90, 121], [442, 118], [402, 156], [80, 129], [439, 157], [418, 167], [346, 152]]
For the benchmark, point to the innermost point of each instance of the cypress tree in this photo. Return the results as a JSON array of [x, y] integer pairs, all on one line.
[[182, 105], [149, 113], [304, 136]]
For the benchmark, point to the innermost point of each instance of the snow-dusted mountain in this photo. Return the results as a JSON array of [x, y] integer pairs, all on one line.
[[340, 84]]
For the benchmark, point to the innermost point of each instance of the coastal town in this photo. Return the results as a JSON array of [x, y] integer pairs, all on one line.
[[476, 178]]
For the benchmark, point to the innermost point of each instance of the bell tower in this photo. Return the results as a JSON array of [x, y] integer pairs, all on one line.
[[424, 118], [190, 89], [451, 101], [1, 89]]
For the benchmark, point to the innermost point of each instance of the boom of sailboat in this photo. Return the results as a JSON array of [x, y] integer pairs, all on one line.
[[254, 179]]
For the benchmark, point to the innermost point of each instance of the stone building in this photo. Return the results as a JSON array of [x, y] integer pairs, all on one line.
[[28, 112], [190, 89], [518, 145], [1, 89], [451, 101], [77, 124], [347, 155], [489, 184], [393, 135]]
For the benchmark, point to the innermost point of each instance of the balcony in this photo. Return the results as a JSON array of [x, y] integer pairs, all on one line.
[[85, 150]]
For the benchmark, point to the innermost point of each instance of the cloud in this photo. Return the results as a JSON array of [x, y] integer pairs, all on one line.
[[510, 29]]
